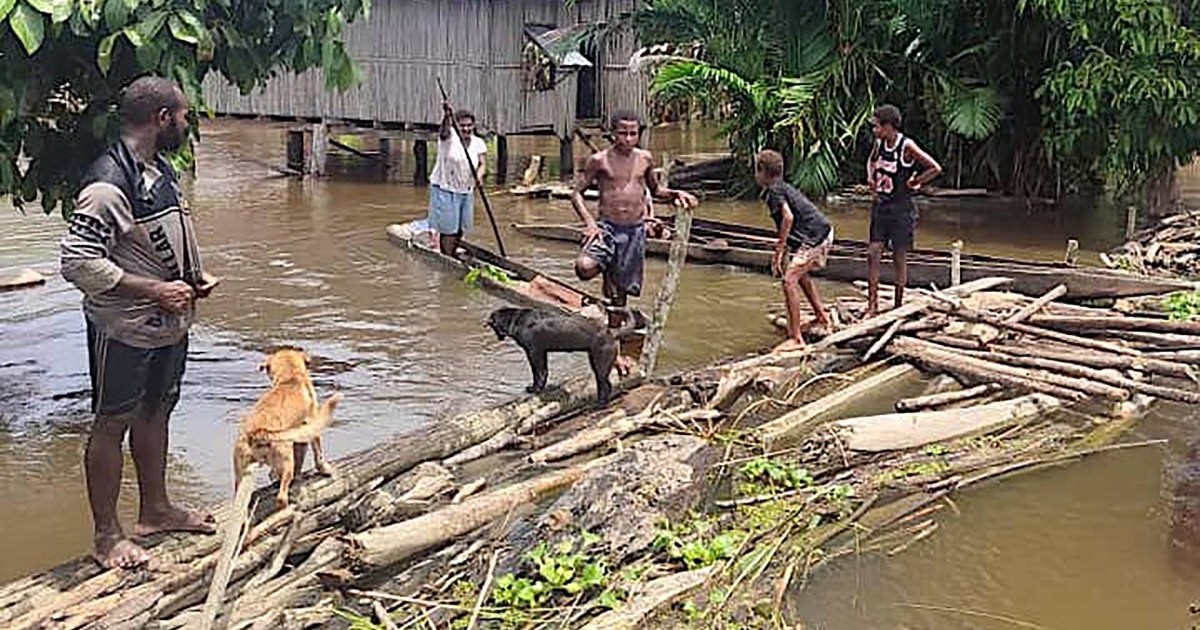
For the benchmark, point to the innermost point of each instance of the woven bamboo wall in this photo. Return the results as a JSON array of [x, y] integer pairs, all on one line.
[[473, 45]]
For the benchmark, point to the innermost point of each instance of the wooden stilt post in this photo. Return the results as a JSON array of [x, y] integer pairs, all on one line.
[[501, 159], [956, 263], [666, 293], [1130, 221], [320, 145], [295, 150], [421, 169], [385, 153], [566, 159]]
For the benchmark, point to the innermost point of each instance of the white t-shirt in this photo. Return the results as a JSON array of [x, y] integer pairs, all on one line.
[[452, 172]]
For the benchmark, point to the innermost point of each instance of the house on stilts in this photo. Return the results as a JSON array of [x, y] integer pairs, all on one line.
[[522, 66]]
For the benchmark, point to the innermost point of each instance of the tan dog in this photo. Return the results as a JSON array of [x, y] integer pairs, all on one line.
[[283, 423]]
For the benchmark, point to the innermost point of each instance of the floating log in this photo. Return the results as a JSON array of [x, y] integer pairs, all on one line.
[[23, 279], [1099, 376], [898, 431], [1034, 331], [942, 358], [1143, 324], [385, 546], [618, 427], [793, 423], [1093, 359], [919, 403]]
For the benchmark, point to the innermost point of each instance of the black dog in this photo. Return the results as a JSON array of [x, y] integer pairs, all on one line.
[[541, 332]]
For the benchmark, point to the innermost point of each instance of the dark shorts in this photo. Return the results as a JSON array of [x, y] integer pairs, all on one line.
[[123, 376], [621, 253], [894, 225]]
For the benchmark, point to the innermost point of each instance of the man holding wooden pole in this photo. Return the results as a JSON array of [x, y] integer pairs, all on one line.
[[615, 246], [452, 194]]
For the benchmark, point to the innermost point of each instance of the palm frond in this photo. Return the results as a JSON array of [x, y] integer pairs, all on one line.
[[974, 112]]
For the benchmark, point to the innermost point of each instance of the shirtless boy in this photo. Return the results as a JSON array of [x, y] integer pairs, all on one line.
[[615, 245]]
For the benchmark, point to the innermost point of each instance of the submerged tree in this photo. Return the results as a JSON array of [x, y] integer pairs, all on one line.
[[63, 62]]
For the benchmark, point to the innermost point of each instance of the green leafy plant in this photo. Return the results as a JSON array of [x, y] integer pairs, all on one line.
[[776, 474], [1183, 305], [696, 544], [567, 568], [484, 270], [63, 63]]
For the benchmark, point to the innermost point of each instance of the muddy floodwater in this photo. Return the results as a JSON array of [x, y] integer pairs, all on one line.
[[307, 263]]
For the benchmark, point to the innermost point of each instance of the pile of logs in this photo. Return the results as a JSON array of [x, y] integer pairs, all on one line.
[[418, 532], [1171, 247]]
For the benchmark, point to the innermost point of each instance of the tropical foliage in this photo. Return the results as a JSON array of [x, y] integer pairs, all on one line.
[[1031, 97], [63, 62]]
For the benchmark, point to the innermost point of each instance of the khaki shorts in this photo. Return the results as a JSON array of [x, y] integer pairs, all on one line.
[[813, 257]]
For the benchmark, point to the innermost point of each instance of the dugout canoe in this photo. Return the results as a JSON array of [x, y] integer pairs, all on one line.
[[751, 247]]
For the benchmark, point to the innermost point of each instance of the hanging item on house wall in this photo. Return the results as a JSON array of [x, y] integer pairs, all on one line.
[[550, 54]]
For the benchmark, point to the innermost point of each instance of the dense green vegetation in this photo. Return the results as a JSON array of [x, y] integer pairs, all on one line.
[[63, 62], [1030, 97]]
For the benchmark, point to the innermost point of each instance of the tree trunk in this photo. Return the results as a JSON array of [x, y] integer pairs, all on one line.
[[1161, 192]]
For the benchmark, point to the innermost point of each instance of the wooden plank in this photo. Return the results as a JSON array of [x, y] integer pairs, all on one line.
[[796, 422], [896, 431]]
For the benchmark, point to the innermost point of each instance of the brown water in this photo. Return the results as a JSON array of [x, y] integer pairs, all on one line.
[[307, 263]]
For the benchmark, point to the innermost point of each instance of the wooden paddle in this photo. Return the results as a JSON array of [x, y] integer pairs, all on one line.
[[474, 173]]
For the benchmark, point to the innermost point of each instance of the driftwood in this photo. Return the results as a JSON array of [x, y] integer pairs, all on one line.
[[1101, 376], [1034, 331], [232, 541], [384, 546], [919, 403], [868, 326], [911, 430], [1037, 305], [507, 437], [942, 358], [666, 293], [1147, 363], [23, 279], [648, 598], [794, 422], [616, 428], [1142, 324]]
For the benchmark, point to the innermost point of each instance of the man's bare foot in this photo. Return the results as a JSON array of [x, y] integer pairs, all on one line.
[[789, 345], [625, 365], [118, 552], [175, 519]]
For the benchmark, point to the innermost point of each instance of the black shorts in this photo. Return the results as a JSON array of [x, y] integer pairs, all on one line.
[[894, 225], [123, 376]]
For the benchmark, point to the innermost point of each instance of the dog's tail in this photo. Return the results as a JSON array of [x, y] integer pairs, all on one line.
[[312, 429]]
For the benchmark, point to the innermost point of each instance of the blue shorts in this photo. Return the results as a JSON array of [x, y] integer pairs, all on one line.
[[451, 212]]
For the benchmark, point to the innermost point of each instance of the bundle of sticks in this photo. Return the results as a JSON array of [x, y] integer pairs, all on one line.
[[1172, 246]]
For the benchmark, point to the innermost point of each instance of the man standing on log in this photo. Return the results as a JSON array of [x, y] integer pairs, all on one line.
[[616, 244], [892, 177], [452, 191], [131, 250]]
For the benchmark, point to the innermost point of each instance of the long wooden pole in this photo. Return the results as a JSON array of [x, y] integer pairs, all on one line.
[[666, 293], [487, 205]]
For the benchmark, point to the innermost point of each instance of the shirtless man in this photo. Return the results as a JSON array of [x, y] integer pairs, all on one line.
[[616, 244]]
